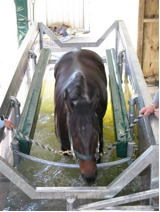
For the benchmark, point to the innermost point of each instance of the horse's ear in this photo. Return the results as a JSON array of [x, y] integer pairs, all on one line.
[[68, 102], [95, 100]]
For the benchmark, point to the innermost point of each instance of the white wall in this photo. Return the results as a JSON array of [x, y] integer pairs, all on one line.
[[8, 44], [104, 12], [66, 11]]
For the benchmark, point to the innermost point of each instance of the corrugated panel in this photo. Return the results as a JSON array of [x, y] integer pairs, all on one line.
[[70, 12]]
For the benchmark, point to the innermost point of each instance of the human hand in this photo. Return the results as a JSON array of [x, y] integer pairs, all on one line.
[[147, 110], [156, 112], [8, 124]]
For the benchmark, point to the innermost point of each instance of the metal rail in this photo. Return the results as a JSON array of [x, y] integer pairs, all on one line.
[[74, 43], [72, 166], [149, 157], [29, 110], [120, 200], [132, 67]]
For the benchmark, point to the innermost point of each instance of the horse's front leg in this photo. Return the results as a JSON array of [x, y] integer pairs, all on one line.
[[101, 137], [66, 144], [100, 141], [64, 138]]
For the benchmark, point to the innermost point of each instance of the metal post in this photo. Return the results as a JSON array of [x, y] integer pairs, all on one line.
[[70, 203], [120, 62], [130, 150], [34, 57], [16, 158], [41, 36], [15, 103], [117, 39], [132, 102]]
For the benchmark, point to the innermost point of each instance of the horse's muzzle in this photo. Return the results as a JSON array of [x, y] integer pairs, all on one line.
[[88, 170], [90, 179]]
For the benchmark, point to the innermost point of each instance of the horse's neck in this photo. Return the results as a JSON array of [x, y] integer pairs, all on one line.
[[78, 89]]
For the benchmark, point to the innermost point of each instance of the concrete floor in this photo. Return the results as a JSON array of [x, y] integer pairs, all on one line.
[[4, 188]]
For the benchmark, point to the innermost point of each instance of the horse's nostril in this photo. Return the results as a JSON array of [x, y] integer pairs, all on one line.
[[91, 178]]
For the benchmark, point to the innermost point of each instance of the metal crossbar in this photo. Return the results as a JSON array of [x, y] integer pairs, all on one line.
[[65, 165], [120, 200]]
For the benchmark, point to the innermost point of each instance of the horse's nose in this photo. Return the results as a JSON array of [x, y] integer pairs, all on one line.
[[90, 178], [88, 170]]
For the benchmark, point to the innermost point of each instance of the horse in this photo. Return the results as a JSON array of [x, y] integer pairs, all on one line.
[[80, 99]]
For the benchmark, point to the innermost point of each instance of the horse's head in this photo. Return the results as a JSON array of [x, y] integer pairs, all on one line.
[[84, 128]]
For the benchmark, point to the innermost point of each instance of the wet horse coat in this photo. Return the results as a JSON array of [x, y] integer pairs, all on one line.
[[80, 104]]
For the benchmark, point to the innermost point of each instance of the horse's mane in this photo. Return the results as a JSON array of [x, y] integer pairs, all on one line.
[[77, 88]]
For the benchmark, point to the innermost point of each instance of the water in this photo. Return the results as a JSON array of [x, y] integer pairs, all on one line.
[[45, 175], [44, 133]]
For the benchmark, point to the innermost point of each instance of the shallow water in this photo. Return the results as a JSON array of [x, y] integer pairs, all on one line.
[[46, 175]]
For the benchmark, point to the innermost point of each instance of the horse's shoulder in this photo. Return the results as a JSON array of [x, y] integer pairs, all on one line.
[[65, 60]]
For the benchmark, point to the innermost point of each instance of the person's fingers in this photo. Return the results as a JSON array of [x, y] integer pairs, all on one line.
[[156, 113], [8, 124], [143, 110]]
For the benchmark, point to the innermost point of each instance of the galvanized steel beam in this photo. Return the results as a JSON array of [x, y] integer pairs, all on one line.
[[76, 42], [120, 200], [151, 124], [118, 103], [29, 110]]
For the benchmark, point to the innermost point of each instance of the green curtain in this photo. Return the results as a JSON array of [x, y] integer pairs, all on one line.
[[22, 19]]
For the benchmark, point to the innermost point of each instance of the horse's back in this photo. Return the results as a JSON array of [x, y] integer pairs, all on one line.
[[85, 60]]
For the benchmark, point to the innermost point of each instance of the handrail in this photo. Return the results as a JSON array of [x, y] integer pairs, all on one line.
[[144, 97], [120, 200], [72, 166], [31, 103]]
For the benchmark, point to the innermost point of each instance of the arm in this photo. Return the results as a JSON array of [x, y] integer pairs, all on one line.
[[1, 123], [5, 123], [153, 108]]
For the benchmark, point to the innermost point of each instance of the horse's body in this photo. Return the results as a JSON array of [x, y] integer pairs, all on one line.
[[80, 104]]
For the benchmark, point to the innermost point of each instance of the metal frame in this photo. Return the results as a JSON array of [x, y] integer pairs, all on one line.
[[121, 200], [76, 43], [147, 158], [150, 124]]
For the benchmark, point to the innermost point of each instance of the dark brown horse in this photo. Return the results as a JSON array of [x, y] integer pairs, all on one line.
[[80, 104]]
